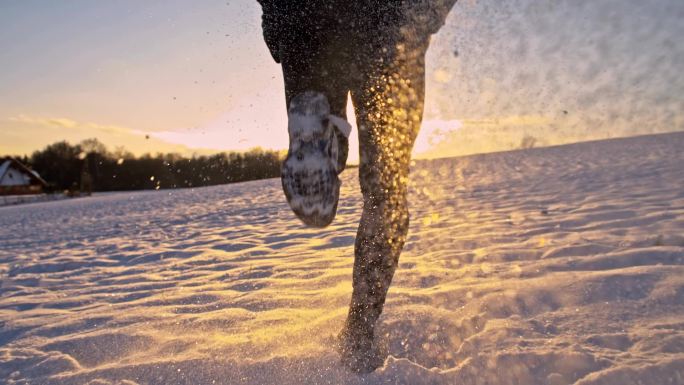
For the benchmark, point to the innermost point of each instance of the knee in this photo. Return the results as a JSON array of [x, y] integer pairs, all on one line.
[[384, 180], [386, 214]]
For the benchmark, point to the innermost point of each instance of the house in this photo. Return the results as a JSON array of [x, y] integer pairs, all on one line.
[[17, 179]]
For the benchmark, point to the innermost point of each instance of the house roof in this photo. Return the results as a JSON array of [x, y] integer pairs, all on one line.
[[7, 162]]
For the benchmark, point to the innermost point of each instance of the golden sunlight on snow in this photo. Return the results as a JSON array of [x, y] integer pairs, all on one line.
[[547, 266]]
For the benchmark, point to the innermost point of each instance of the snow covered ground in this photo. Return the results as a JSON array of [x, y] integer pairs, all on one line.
[[548, 266]]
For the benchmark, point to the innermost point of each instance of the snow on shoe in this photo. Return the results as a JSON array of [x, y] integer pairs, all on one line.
[[309, 173]]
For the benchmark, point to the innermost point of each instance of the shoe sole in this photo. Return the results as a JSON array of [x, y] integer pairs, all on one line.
[[309, 172]]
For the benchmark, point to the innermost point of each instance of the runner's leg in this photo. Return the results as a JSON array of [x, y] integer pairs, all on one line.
[[389, 107]]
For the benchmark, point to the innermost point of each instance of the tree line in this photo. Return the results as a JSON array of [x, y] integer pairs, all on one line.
[[71, 167]]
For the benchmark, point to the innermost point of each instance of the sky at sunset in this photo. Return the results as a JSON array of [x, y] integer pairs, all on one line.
[[196, 77]]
